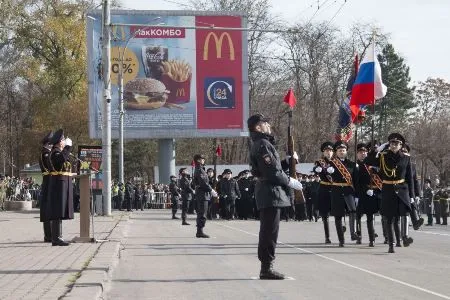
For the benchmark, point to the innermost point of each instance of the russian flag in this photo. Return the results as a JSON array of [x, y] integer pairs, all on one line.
[[368, 85]]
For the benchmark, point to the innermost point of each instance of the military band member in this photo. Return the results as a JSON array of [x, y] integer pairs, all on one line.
[[44, 164], [343, 173], [203, 193], [322, 168], [60, 191], [271, 191], [368, 190], [186, 194], [174, 195], [428, 195], [397, 190]]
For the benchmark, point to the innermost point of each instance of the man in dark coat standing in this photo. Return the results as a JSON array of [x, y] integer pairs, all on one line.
[[60, 201], [203, 193], [186, 194], [174, 195], [428, 195], [44, 164], [271, 191], [398, 188], [229, 191]]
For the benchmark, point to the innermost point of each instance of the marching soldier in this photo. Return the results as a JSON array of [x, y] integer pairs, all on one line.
[[368, 190], [428, 195], [203, 193], [271, 191], [343, 171], [174, 195], [397, 178], [60, 191], [322, 168], [186, 194], [44, 164]]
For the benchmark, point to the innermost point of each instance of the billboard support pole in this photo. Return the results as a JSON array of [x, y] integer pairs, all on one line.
[[106, 108], [166, 159], [121, 116]]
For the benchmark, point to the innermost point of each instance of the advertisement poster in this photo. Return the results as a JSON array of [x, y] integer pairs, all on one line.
[[91, 161], [178, 80]]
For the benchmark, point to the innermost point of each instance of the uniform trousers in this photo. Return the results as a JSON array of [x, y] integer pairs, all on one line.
[[269, 219]]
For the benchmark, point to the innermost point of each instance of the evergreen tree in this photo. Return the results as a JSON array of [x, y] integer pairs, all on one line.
[[393, 110]]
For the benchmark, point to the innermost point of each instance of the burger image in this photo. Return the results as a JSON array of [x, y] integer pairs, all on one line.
[[145, 93]]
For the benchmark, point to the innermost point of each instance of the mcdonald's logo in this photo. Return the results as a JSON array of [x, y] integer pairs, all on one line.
[[181, 92], [218, 42], [115, 36]]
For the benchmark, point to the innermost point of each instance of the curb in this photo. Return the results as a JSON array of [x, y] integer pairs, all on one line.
[[95, 278]]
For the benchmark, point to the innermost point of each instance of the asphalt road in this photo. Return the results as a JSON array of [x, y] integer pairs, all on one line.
[[163, 260]]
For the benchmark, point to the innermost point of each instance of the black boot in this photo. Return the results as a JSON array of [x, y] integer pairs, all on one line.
[[444, 220], [397, 232], [184, 222], [47, 232], [201, 234], [326, 228], [174, 217], [390, 235], [358, 229], [384, 227], [404, 231], [340, 231], [268, 273], [370, 231], [415, 219], [56, 234], [352, 223]]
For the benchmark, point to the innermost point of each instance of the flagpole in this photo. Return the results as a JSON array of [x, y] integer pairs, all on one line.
[[373, 103], [356, 141]]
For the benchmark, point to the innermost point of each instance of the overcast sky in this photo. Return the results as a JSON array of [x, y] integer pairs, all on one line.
[[419, 29]]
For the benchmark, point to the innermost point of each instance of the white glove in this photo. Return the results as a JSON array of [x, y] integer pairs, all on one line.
[[246, 189], [369, 193], [412, 200], [356, 201], [330, 170], [213, 193], [68, 142], [417, 199], [225, 196], [382, 146], [294, 184], [295, 156], [318, 169]]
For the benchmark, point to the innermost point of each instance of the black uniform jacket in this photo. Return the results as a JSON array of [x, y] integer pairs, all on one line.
[[396, 172], [186, 189], [60, 191], [174, 191], [44, 164], [229, 189], [324, 191], [272, 182], [367, 204], [201, 181], [344, 178]]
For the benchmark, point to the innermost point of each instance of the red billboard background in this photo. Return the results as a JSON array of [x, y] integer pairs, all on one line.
[[219, 54]]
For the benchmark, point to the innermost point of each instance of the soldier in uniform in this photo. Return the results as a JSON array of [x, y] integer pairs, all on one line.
[[44, 164], [368, 190], [213, 204], [271, 191], [186, 194], [203, 193], [397, 190], [60, 190], [229, 191], [174, 195], [428, 195], [129, 193], [322, 168], [343, 171], [442, 198], [245, 187]]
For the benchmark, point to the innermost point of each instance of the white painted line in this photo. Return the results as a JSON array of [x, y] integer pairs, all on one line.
[[350, 266], [431, 232]]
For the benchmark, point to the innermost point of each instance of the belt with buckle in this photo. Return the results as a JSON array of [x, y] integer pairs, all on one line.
[[393, 181]]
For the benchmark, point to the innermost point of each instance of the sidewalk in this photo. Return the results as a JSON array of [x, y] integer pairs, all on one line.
[[32, 269]]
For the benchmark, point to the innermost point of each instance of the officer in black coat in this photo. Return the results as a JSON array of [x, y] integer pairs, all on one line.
[[368, 190], [428, 195], [397, 190], [229, 191], [203, 193], [245, 187], [129, 193], [343, 172], [186, 193], [174, 195], [60, 191], [44, 164], [321, 168], [272, 187]]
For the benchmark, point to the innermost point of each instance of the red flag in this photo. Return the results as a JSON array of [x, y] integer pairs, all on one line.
[[290, 98], [219, 151]]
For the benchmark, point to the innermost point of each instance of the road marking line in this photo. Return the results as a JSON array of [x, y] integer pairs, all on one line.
[[349, 265], [434, 233]]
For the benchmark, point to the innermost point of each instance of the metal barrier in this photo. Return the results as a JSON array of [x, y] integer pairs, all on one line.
[[160, 200]]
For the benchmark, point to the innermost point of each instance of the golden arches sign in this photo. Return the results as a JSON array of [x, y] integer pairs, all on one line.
[[218, 42]]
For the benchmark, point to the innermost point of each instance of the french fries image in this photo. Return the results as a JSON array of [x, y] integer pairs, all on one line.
[[177, 70]]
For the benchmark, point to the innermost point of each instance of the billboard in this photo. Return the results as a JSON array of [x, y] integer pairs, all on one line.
[[91, 160], [179, 81]]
